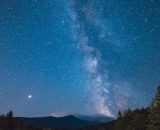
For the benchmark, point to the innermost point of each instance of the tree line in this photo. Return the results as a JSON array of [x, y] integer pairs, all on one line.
[[141, 119]]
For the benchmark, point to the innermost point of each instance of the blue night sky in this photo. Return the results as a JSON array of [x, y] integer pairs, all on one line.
[[86, 57]]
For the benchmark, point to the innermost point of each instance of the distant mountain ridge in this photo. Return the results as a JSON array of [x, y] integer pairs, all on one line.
[[96, 118], [69, 122], [55, 122]]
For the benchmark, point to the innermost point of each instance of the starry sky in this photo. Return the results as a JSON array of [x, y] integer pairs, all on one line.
[[88, 57]]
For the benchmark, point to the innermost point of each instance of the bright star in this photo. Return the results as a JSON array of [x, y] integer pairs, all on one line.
[[29, 96]]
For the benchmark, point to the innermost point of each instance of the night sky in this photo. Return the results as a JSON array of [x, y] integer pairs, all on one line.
[[88, 57]]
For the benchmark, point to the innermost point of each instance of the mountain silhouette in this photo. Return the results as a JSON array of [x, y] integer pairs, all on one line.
[[69, 122], [55, 122], [96, 118]]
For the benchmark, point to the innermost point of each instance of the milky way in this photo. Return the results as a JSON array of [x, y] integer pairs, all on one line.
[[96, 86], [78, 56], [104, 95]]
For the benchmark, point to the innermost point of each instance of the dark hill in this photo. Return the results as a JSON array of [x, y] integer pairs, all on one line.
[[96, 118], [54, 122]]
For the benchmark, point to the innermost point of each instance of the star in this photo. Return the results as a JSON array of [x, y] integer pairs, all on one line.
[[29, 96]]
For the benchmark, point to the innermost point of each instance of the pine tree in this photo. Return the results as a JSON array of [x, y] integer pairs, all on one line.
[[9, 118], [153, 122]]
